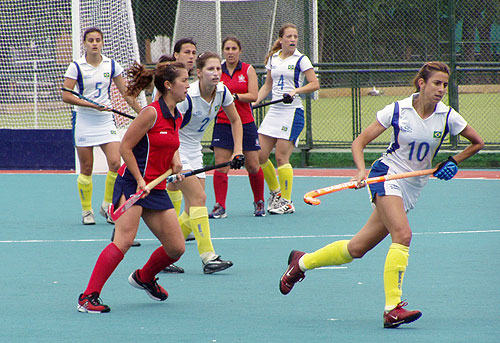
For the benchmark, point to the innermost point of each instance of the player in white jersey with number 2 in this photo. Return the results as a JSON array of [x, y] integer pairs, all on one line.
[[420, 124], [205, 97], [93, 74], [286, 70]]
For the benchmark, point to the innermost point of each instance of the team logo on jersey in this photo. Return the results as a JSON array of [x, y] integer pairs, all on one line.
[[197, 113], [216, 108], [113, 132], [241, 78], [284, 128], [291, 67], [106, 74], [437, 134]]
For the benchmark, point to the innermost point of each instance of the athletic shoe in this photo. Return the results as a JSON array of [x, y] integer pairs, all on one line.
[[293, 273], [216, 264], [284, 207], [91, 304], [103, 211], [173, 269], [398, 316], [153, 289], [218, 212], [190, 237], [134, 243], [259, 209], [88, 217], [273, 200]]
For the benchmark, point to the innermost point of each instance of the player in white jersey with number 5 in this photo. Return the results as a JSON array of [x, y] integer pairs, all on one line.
[[420, 124], [93, 74], [286, 70], [205, 97]]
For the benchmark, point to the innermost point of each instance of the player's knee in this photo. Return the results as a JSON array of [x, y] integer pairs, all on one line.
[[356, 250], [176, 251], [402, 236]]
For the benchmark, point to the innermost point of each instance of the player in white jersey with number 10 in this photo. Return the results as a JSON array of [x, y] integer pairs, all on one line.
[[286, 70], [93, 74]]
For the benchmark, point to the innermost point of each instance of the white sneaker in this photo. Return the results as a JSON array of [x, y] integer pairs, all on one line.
[[104, 212], [284, 207], [273, 200], [88, 217]]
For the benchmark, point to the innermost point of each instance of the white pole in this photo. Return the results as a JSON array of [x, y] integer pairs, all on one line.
[[75, 28], [218, 33]]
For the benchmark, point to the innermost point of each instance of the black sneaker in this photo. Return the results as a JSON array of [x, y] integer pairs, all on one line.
[[216, 264], [173, 269], [91, 304], [153, 289]]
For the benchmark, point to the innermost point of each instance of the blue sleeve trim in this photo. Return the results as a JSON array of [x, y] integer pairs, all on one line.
[[297, 72], [79, 78], [395, 124], [187, 115], [111, 77], [446, 130]]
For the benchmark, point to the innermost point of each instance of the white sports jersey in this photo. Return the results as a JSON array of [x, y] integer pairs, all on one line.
[[198, 114], [93, 127], [287, 75], [416, 141]]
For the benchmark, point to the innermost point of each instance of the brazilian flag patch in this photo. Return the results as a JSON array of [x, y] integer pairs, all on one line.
[[437, 134], [106, 74], [291, 67]]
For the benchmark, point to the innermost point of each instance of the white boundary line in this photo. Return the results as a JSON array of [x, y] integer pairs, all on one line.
[[245, 238]]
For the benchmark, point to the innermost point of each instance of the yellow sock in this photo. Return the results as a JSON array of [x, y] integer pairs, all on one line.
[[199, 224], [84, 183], [109, 186], [333, 254], [285, 173], [270, 175], [185, 224], [176, 198], [394, 271]]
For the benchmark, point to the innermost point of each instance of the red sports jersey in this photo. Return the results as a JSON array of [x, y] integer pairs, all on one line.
[[237, 84], [155, 150]]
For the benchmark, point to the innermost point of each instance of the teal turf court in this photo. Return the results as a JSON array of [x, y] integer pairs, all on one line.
[[453, 275]]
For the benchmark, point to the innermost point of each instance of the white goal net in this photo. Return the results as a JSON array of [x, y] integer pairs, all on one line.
[[39, 40]]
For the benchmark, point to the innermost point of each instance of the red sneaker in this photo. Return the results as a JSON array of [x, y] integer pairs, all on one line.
[[152, 288], [91, 304], [399, 315], [293, 273]]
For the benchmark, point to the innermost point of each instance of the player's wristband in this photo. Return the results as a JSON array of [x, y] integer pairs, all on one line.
[[236, 97]]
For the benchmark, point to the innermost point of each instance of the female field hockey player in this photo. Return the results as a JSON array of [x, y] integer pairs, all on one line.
[[94, 125], [149, 149], [420, 123], [241, 79], [205, 97], [280, 129]]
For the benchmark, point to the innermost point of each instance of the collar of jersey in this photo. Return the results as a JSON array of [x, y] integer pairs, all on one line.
[[82, 60], [194, 88], [225, 71], [295, 53], [408, 103]]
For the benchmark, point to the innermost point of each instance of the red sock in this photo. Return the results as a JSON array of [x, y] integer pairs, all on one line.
[[106, 264], [257, 184], [220, 187], [158, 261]]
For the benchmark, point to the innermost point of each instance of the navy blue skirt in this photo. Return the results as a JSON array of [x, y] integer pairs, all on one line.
[[156, 200]]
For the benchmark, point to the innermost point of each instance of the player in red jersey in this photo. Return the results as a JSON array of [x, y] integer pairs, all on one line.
[[149, 149], [241, 79]]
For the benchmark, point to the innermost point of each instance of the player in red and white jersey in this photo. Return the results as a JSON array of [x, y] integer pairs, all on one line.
[[241, 79], [149, 149]]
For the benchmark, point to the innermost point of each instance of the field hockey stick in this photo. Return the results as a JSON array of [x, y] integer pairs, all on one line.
[[135, 198], [311, 197], [287, 97], [172, 178], [96, 103]]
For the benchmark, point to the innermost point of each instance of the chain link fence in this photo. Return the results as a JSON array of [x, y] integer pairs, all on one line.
[[365, 52]]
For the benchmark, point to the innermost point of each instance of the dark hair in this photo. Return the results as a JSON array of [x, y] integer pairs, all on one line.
[[233, 39], [178, 45], [166, 58], [428, 69], [141, 77], [277, 45], [92, 29], [202, 58]]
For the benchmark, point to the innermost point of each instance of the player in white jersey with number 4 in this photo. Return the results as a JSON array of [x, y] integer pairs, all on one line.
[[420, 124], [286, 70], [93, 74], [205, 97]]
